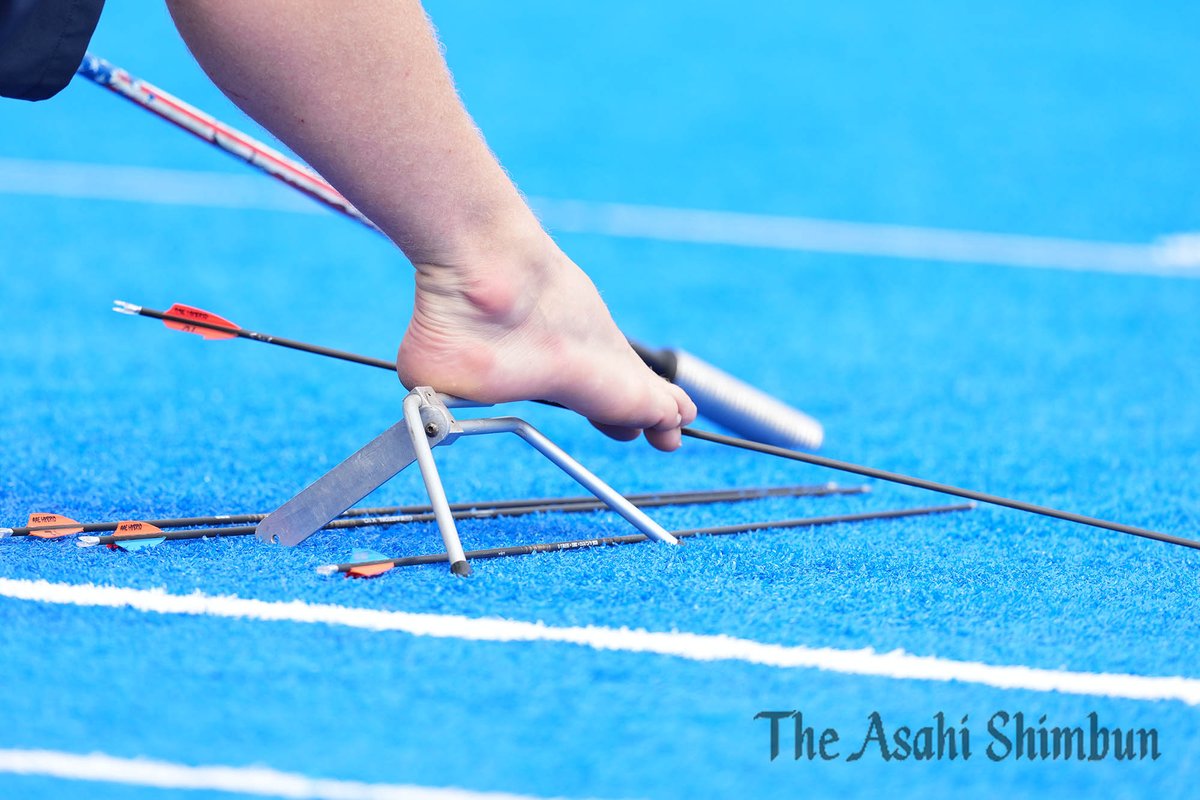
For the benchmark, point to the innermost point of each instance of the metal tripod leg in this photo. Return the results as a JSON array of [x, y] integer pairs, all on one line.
[[611, 497], [427, 423], [426, 418]]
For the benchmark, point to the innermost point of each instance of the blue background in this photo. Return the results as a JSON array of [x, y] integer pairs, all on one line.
[[1072, 389]]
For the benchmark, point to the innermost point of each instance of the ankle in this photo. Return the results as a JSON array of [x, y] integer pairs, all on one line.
[[509, 233], [501, 278]]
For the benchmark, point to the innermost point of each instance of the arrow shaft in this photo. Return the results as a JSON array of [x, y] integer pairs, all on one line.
[[224, 137], [647, 499], [605, 541], [943, 488], [510, 508]]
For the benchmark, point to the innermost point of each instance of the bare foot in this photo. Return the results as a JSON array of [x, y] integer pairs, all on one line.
[[527, 328]]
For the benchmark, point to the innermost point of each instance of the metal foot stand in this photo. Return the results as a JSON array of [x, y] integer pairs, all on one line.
[[427, 423]]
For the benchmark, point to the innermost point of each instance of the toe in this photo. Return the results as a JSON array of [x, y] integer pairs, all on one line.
[[618, 432], [687, 409], [672, 403], [665, 440]]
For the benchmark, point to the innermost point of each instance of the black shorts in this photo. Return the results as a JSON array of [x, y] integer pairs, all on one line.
[[42, 43]]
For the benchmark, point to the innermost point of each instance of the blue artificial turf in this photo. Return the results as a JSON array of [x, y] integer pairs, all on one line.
[[1071, 389]]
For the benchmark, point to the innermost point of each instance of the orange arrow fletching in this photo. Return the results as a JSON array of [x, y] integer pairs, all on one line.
[[200, 315], [56, 526], [367, 571], [131, 527]]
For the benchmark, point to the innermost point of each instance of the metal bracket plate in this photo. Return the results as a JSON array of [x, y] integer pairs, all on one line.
[[375, 464]]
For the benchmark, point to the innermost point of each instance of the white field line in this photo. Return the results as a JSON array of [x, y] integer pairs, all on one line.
[[691, 646], [153, 185], [258, 781], [1175, 255]]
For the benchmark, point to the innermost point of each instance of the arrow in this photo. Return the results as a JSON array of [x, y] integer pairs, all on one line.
[[366, 564], [127, 532], [46, 526], [746, 444], [53, 526], [190, 319], [224, 137]]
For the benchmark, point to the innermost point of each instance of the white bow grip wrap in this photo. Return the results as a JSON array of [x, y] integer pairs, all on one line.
[[741, 408]]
